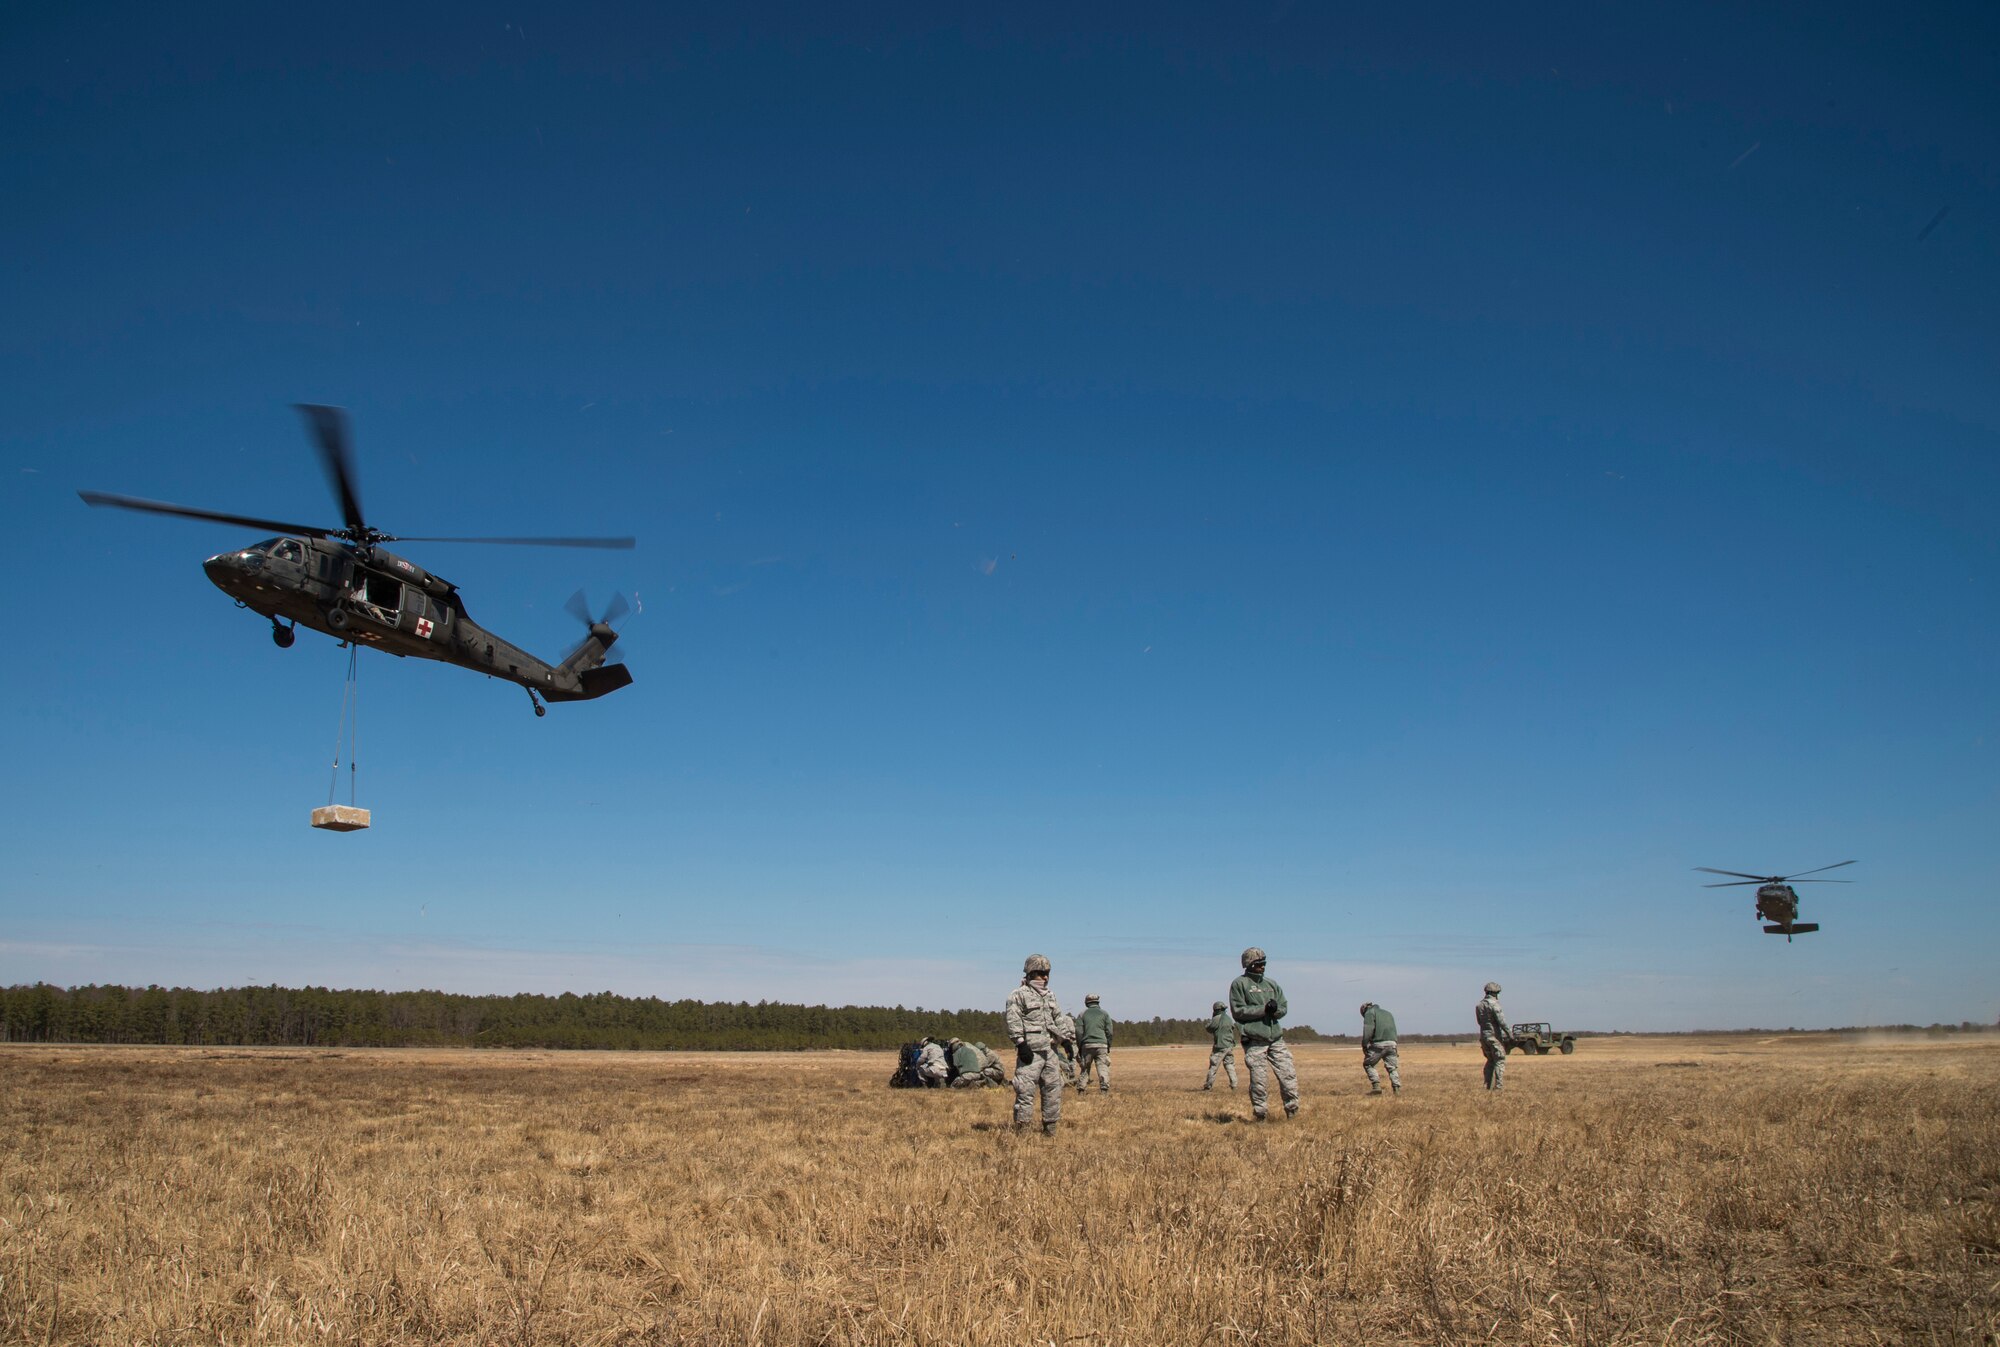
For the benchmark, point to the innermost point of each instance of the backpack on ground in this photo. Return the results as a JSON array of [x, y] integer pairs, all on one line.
[[906, 1076]]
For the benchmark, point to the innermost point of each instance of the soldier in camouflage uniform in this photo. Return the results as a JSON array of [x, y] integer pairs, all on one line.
[[1222, 1037], [1257, 1004], [1066, 1049], [1494, 1031], [1378, 1044], [990, 1066], [1036, 1023], [933, 1064], [1093, 1045]]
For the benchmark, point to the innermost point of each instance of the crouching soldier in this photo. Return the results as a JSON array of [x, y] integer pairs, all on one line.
[[1378, 1044], [933, 1068], [967, 1069], [990, 1066], [1035, 1021]]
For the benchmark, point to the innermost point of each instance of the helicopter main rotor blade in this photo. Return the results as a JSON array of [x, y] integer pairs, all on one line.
[[1835, 866], [329, 430], [186, 512], [1732, 884], [1758, 879], [1819, 881], [623, 544]]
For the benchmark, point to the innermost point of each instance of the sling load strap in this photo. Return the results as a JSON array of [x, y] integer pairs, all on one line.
[[349, 730]]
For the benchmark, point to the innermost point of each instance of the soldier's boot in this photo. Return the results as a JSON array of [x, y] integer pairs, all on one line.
[[1260, 1116], [1376, 1089], [1291, 1110], [1048, 1129], [1395, 1087]]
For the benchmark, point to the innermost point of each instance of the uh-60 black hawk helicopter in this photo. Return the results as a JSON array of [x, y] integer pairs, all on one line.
[[345, 583], [1777, 902]]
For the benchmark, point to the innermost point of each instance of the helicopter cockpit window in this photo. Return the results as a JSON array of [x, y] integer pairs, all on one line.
[[288, 549]]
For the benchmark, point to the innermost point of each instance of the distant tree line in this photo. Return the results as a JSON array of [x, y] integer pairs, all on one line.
[[323, 1017]]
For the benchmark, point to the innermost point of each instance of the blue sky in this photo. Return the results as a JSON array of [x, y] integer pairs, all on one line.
[[1400, 490]]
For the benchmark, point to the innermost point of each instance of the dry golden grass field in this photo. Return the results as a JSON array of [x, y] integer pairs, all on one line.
[[1720, 1190]]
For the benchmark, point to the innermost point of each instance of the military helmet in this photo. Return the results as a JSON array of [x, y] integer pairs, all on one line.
[[1367, 1006], [1091, 999], [1220, 1007], [1252, 955], [1036, 963], [954, 1042], [1492, 989]]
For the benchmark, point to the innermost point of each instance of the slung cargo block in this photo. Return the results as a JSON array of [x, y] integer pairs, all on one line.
[[340, 818]]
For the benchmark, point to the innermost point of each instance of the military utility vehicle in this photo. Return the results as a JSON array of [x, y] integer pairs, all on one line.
[[1537, 1037]]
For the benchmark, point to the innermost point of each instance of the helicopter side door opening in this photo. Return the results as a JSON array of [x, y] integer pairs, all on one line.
[[379, 598]]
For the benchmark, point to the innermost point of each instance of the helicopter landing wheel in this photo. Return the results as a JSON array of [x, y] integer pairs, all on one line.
[[540, 710], [282, 636], [337, 619]]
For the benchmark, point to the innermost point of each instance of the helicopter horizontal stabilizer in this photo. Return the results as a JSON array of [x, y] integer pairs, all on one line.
[[1800, 929], [605, 678], [598, 682]]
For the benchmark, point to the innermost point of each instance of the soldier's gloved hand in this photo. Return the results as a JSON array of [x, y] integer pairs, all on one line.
[[1270, 1011], [1023, 1054]]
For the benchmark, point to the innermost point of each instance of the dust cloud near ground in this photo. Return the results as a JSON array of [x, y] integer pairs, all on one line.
[[1645, 1190]]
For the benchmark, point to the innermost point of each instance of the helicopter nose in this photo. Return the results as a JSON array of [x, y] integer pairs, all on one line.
[[227, 570]]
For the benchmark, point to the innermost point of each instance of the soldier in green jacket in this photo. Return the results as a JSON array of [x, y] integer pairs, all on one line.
[[1378, 1044], [1257, 1004], [1093, 1045], [1221, 1038], [967, 1066]]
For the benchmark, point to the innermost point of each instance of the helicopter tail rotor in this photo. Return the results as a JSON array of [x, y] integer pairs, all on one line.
[[600, 633], [586, 663]]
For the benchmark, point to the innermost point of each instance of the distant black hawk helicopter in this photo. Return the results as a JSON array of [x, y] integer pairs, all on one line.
[[345, 583], [1777, 903]]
